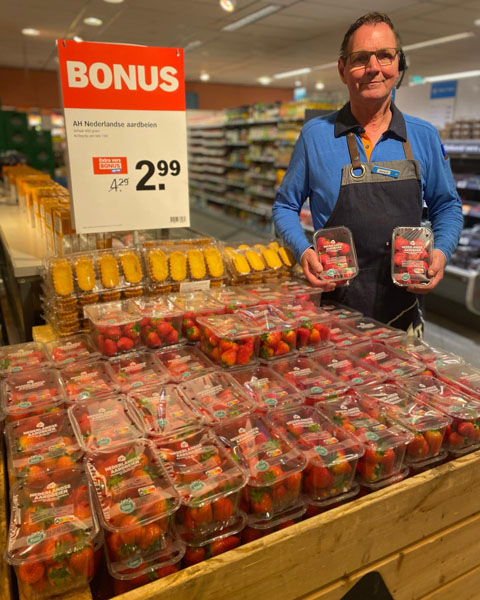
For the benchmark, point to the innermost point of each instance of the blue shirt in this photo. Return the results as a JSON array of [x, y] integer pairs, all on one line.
[[315, 172]]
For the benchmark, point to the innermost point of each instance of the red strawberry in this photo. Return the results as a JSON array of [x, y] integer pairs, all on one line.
[[114, 333], [132, 330], [399, 243], [125, 344], [399, 258], [222, 545], [344, 249], [172, 337], [302, 336], [152, 340], [164, 328], [282, 348], [290, 337], [193, 333], [229, 357], [243, 355], [109, 348]]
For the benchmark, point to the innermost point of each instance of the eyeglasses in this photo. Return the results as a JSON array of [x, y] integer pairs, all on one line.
[[384, 56]]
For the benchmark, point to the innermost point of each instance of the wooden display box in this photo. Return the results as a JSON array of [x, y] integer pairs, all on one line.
[[421, 535]]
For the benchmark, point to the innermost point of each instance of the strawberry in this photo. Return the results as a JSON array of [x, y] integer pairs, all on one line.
[[224, 544], [303, 335], [125, 344], [289, 337], [193, 333], [272, 339], [244, 355], [131, 330], [164, 328], [282, 348], [315, 336], [399, 243], [172, 337], [109, 348], [399, 259], [152, 340], [229, 357], [194, 556], [344, 249]]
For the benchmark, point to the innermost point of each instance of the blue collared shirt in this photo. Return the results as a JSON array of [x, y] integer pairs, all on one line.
[[315, 172]]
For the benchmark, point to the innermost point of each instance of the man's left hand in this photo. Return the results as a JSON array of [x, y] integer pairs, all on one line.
[[435, 272]]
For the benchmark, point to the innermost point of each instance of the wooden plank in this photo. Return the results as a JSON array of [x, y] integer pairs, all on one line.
[[314, 553], [5, 572], [421, 568], [465, 587]]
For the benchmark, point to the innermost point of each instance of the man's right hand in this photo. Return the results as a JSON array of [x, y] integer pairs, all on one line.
[[312, 267]]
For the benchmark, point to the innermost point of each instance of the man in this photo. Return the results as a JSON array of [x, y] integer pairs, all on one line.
[[333, 164]]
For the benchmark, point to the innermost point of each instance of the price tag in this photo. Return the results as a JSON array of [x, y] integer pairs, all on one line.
[[126, 134]]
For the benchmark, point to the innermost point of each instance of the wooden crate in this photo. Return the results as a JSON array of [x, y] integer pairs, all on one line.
[[421, 535]]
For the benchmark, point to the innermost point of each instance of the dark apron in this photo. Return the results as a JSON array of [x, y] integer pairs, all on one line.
[[371, 205]]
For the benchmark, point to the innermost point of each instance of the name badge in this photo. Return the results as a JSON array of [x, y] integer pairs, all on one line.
[[386, 172]]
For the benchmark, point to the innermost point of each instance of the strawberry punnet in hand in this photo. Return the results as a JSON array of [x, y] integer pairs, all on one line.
[[336, 252], [411, 255]]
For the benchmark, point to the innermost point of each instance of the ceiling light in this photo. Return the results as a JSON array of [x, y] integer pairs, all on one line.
[[319, 85], [192, 45], [113, 1], [228, 5], [292, 73], [298, 83], [30, 31], [451, 76], [477, 22], [93, 21], [77, 38], [437, 41], [204, 76], [325, 66], [264, 80], [256, 16]]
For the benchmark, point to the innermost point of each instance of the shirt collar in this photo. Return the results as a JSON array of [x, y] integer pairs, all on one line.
[[346, 122]]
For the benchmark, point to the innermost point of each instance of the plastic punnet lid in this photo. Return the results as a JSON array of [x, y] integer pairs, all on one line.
[[269, 293], [336, 252], [217, 397], [233, 298], [310, 378], [41, 444], [196, 302], [71, 349], [88, 380], [306, 314], [229, 326], [344, 337], [267, 389], [138, 369], [25, 392], [372, 328], [301, 290], [103, 424], [108, 314], [55, 513], [23, 357], [348, 368], [429, 355], [465, 377], [341, 313], [394, 364], [131, 486], [267, 318], [184, 362], [161, 307], [164, 413], [266, 457]]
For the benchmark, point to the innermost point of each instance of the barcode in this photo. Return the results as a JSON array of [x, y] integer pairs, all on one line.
[[178, 219]]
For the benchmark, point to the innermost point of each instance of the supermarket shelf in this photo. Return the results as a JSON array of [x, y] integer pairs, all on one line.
[[206, 127], [280, 166], [240, 206], [249, 122], [262, 140], [262, 159], [462, 147], [235, 183], [244, 231], [237, 144], [262, 194], [263, 177], [237, 165]]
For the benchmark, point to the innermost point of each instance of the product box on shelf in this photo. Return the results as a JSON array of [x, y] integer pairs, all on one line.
[[313, 326], [88, 380], [229, 340], [412, 249], [115, 327], [73, 349], [195, 304], [23, 357], [430, 356], [54, 537], [347, 367], [252, 264], [373, 329], [273, 467], [184, 362], [394, 364], [101, 425], [138, 369], [278, 331], [336, 252], [161, 323]]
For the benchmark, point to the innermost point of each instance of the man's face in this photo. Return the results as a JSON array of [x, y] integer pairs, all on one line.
[[372, 82]]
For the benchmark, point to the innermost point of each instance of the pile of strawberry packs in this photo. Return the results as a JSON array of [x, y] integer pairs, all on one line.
[[188, 424]]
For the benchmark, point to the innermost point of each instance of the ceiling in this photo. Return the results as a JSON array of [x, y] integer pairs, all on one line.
[[302, 33]]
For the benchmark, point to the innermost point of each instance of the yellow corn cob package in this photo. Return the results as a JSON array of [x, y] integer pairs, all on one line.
[[109, 271], [243, 247], [62, 277], [254, 260], [214, 262], [178, 266], [271, 258], [85, 274], [158, 264], [196, 264], [240, 264], [132, 269], [286, 256], [274, 245]]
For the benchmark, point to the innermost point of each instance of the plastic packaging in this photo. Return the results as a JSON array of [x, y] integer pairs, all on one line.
[[464, 377], [161, 323], [73, 349], [331, 453], [336, 252], [23, 357], [184, 362], [194, 305], [343, 336], [394, 364], [430, 356], [233, 298], [197, 553], [313, 327], [373, 329], [303, 293], [89, 380], [114, 327], [269, 293], [278, 337], [411, 255], [348, 368], [229, 340], [138, 369]]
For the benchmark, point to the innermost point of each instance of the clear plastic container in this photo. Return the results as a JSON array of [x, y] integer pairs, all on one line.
[[135, 499], [269, 293], [394, 364], [341, 313], [412, 249], [23, 357], [194, 305], [267, 389], [233, 298], [101, 425], [390, 403], [184, 362], [31, 393], [161, 324], [384, 445], [343, 336], [313, 327], [138, 369], [278, 337], [225, 541], [39, 445], [430, 356], [229, 340], [336, 252], [308, 377], [217, 397], [373, 329], [274, 468], [89, 380], [348, 368], [465, 377], [165, 414], [303, 293], [54, 535], [463, 435], [73, 349], [209, 482], [331, 453]]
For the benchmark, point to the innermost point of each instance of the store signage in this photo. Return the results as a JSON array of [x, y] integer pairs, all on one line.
[[443, 89], [125, 124]]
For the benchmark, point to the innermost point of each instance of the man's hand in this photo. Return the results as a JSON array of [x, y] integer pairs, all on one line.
[[312, 267], [435, 271]]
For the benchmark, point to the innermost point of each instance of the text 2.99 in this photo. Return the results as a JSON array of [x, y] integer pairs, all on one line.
[[163, 168]]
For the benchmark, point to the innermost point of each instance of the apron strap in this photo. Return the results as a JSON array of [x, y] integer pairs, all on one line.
[[355, 155], [407, 149]]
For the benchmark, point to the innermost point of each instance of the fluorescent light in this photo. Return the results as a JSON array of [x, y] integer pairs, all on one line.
[[228, 5], [286, 74], [77, 38], [30, 31], [437, 41], [192, 45], [204, 76], [329, 65], [451, 76], [113, 1], [264, 80], [319, 85], [477, 22], [256, 16], [93, 21], [298, 83]]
